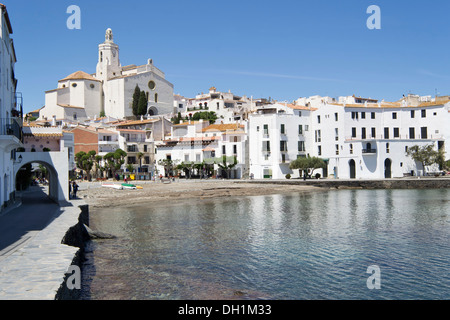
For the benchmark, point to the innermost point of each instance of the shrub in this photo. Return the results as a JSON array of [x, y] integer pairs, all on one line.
[[317, 175], [288, 176]]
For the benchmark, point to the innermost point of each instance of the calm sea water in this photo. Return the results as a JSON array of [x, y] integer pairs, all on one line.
[[296, 246]]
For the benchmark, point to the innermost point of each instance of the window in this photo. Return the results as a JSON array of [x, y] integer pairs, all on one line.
[[374, 133], [197, 157], [363, 133], [266, 129], [266, 146], [283, 129], [299, 113], [319, 150], [424, 113], [353, 132], [74, 116], [156, 97], [186, 158], [355, 115], [300, 129], [92, 86], [145, 148], [318, 137], [351, 148], [74, 85], [387, 148], [337, 149], [363, 115], [224, 150], [412, 133], [394, 115], [386, 133], [424, 132], [131, 160], [336, 134], [234, 149], [301, 146], [318, 119], [336, 116], [283, 146], [306, 127], [413, 113], [372, 115], [152, 85], [396, 133], [180, 105], [257, 128]]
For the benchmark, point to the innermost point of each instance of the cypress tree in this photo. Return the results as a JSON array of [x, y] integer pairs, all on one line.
[[142, 104], [136, 96]]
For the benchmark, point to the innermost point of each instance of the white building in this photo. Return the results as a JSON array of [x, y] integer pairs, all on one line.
[[368, 140], [80, 95], [278, 134], [199, 142], [228, 106], [10, 111]]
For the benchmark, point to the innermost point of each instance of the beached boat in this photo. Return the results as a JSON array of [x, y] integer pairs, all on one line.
[[130, 186], [113, 186]]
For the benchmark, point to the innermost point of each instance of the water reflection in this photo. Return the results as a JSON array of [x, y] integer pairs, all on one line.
[[296, 246]]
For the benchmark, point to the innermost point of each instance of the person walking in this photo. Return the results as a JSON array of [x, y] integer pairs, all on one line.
[[75, 189], [70, 190]]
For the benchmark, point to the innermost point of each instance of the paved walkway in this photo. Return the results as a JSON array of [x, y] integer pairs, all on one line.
[[33, 261], [21, 224]]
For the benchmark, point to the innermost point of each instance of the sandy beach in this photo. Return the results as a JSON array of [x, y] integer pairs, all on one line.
[[97, 196]]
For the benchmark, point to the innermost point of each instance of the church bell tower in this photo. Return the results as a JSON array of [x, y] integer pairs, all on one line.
[[108, 65]]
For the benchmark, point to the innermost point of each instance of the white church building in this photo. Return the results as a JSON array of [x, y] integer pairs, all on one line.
[[82, 96]]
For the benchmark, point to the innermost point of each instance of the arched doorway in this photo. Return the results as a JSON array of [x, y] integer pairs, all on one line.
[[152, 111], [352, 166], [388, 168]]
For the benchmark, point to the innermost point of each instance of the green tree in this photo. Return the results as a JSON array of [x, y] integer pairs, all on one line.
[[205, 115], [97, 160], [85, 161], [307, 164], [227, 164], [426, 155], [142, 104], [136, 96], [115, 160]]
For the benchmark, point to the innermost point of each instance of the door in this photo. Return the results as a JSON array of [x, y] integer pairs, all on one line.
[[352, 166], [388, 169]]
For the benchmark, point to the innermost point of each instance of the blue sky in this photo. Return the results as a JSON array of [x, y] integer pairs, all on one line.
[[279, 49]]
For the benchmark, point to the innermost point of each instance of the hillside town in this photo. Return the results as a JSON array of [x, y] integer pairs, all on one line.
[[126, 122], [118, 187]]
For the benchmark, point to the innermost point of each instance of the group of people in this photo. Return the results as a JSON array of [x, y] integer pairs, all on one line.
[[73, 189]]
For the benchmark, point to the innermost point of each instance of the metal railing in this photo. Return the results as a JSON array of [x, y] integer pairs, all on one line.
[[11, 127]]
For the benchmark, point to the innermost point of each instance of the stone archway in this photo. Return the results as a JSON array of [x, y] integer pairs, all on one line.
[[58, 168]]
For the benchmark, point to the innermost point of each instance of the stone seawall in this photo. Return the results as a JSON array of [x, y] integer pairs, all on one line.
[[37, 271], [412, 183]]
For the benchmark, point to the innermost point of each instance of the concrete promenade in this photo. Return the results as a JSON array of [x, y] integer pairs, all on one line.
[[33, 260]]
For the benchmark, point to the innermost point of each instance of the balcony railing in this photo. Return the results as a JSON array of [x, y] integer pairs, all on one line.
[[11, 127], [369, 151]]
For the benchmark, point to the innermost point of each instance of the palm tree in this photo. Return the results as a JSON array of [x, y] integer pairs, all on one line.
[[140, 155]]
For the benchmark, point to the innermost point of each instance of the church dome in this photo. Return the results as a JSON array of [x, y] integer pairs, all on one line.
[[79, 75]]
